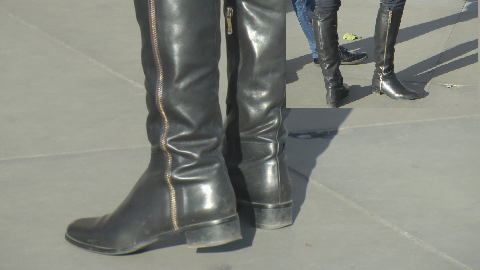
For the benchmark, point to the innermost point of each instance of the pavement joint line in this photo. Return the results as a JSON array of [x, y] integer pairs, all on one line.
[[410, 122], [416, 240], [420, 101], [387, 124], [91, 59], [432, 73], [74, 153]]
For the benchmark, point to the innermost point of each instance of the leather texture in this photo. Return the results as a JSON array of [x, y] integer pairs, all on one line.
[[186, 183], [326, 37], [255, 134], [384, 79]]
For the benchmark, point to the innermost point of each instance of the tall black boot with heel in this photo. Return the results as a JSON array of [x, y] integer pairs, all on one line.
[[384, 79], [186, 188], [255, 135], [326, 37]]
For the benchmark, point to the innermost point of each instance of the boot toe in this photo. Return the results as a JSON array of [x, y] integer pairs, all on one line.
[[79, 231], [82, 233]]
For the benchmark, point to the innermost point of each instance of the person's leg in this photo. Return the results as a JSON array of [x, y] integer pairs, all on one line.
[[186, 188], [393, 4], [304, 17], [386, 30], [327, 5], [303, 10], [255, 134], [326, 36]]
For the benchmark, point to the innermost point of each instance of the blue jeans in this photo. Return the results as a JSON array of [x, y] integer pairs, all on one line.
[[303, 9], [332, 5]]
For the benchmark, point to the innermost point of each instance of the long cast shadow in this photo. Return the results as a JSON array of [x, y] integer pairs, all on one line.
[[318, 129], [432, 67], [328, 122], [423, 71]]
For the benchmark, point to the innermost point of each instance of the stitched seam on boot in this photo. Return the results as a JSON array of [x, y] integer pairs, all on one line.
[[168, 171], [385, 49], [278, 148]]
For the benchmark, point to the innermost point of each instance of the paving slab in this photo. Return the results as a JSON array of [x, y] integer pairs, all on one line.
[[325, 120], [420, 177], [329, 231], [106, 32], [61, 102], [73, 126], [451, 96], [458, 64]]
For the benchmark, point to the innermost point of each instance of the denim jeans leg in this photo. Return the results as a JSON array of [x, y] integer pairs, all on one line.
[[304, 17]]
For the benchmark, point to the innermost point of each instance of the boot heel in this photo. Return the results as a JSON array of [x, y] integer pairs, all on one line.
[[332, 105], [214, 235], [376, 90], [270, 217]]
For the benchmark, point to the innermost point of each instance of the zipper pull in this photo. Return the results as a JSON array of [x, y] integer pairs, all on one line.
[[390, 13], [229, 20]]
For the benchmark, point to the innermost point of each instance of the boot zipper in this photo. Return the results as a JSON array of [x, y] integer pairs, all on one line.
[[229, 20], [163, 143], [385, 49]]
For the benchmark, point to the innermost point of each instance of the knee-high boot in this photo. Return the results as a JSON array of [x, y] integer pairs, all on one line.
[[255, 134], [384, 79], [326, 37], [185, 188]]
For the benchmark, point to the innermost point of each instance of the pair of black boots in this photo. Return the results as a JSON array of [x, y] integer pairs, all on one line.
[[198, 171], [384, 79]]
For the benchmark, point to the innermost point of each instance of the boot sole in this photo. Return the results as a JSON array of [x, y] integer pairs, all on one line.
[[332, 105], [205, 234], [355, 62], [268, 216]]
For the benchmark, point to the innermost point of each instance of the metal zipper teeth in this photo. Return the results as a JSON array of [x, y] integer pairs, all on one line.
[[385, 50], [168, 173], [229, 20]]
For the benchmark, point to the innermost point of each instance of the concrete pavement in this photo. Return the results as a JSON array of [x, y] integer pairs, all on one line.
[[436, 55], [373, 188]]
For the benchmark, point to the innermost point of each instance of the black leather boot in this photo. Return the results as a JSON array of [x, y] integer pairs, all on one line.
[[255, 135], [326, 37], [185, 188], [384, 79]]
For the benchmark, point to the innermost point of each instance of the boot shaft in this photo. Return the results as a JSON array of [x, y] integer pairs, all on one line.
[[385, 37], [255, 69], [326, 38], [180, 55], [384, 80], [255, 132]]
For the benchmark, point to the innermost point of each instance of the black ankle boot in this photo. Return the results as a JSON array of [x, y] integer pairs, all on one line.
[[255, 135], [326, 37], [347, 57], [384, 79], [185, 189]]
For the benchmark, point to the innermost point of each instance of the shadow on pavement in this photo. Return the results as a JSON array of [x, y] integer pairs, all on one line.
[[430, 68], [318, 140], [423, 71]]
